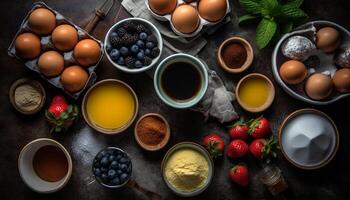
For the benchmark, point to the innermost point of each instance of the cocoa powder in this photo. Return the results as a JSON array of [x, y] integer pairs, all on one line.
[[234, 55], [151, 130]]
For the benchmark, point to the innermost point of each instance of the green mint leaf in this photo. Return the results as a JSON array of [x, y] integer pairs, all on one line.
[[269, 8], [292, 12], [264, 32], [286, 28], [295, 3], [246, 17], [250, 6]]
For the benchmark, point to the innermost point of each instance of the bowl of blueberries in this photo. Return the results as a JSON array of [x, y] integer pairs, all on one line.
[[112, 167], [133, 45]]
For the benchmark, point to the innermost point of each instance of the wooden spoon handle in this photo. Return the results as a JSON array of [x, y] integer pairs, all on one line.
[[99, 15], [151, 195]]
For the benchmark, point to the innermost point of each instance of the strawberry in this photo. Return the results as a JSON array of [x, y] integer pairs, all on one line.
[[262, 148], [214, 144], [259, 128], [239, 174], [60, 115], [239, 130], [237, 148]]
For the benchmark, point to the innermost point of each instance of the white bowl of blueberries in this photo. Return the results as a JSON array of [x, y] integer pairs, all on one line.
[[112, 167], [133, 45]]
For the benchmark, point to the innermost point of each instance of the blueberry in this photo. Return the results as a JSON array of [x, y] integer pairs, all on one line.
[[124, 167], [124, 160], [115, 181], [114, 164], [99, 156], [141, 56], [143, 36], [111, 158], [97, 171], [138, 64], [141, 44], [104, 161], [97, 164], [119, 171], [124, 51], [111, 173], [119, 157], [113, 34], [104, 177], [120, 61], [109, 48], [116, 152], [149, 45], [134, 48], [123, 177], [147, 52], [114, 54], [104, 169]]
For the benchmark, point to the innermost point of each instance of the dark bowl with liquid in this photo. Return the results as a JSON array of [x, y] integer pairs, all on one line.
[[181, 80]]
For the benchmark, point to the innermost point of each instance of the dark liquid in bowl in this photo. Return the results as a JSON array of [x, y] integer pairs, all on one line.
[[50, 163], [181, 81]]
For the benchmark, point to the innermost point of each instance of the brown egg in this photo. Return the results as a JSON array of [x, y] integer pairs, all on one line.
[[341, 80], [185, 18], [87, 52], [74, 78], [327, 39], [64, 37], [51, 63], [42, 21], [162, 7], [319, 86], [28, 45], [293, 72], [212, 10]]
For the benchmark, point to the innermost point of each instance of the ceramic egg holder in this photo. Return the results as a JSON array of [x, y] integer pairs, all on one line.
[[319, 62], [203, 22], [46, 45]]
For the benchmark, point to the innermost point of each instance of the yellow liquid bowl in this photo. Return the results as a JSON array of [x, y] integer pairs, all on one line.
[[110, 106], [255, 92]]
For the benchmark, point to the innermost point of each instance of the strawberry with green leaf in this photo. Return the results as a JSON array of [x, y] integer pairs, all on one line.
[[214, 144], [239, 130], [264, 149], [239, 174], [60, 115]]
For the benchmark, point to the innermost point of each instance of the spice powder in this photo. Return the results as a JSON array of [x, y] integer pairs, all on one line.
[[151, 130], [234, 55]]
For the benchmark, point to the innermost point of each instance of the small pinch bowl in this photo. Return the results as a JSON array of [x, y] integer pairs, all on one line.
[[270, 98], [95, 126], [29, 176], [33, 83], [250, 55], [158, 146], [201, 150], [152, 28]]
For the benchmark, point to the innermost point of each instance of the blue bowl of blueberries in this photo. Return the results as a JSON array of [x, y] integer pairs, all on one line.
[[112, 167], [133, 45]]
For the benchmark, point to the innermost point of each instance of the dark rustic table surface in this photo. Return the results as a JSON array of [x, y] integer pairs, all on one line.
[[329, 183]]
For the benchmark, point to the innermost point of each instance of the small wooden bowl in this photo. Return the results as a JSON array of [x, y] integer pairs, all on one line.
[[104, 130], [151, 147], [270, 98], [248, 48], [33, 83]]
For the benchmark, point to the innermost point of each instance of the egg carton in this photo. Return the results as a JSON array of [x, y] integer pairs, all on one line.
[[203, 22], [46, 45]]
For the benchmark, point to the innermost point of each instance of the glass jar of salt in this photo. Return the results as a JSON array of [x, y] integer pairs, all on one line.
[[271, 176]]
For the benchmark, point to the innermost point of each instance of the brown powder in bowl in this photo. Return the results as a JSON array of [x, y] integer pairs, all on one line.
[[234, 55], [151, 130]]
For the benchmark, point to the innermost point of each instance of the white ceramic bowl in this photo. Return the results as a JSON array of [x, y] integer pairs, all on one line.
[[28, 175], [152, 28]]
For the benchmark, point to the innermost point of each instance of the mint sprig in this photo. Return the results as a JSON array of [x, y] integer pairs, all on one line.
[[275, 17]]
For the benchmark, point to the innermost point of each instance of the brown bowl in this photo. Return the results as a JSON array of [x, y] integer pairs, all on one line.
[[248, 48], [104, 130], [33, 83], [270, 97], [151, 147]]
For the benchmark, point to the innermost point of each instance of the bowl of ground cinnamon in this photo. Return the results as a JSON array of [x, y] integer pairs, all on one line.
[[235, 55], [152, 132]]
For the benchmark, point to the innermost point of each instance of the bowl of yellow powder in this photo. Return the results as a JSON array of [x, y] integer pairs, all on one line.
[[187, 169]]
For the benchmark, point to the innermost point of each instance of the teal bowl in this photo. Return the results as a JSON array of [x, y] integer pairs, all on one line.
[[181, 57]]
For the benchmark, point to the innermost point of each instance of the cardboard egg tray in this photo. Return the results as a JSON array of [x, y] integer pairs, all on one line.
[[46, 45], [203, 22]]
